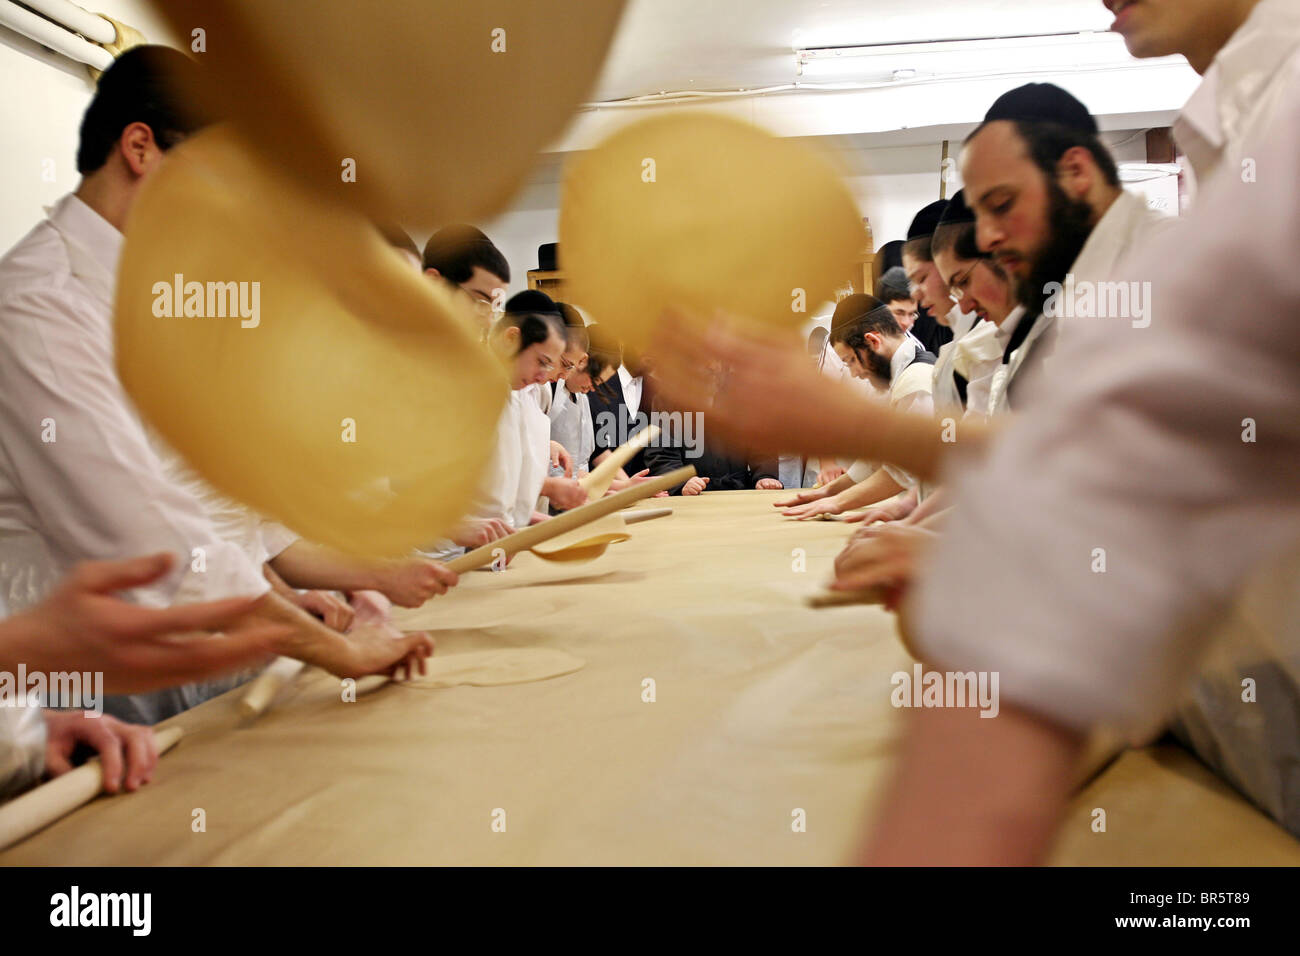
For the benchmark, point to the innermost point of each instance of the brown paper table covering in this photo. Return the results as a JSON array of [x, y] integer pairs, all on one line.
[[763, 707]]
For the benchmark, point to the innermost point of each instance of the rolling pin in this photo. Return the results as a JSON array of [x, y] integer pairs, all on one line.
[[524, 539], [263, 688], [38, 808], [597, 482]]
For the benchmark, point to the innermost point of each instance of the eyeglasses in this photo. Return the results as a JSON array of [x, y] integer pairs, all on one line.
[[959, 283]]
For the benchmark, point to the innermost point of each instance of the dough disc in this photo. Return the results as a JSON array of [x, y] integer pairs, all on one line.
[[514, 665], [735, 219], [442, 106], [346, 332]]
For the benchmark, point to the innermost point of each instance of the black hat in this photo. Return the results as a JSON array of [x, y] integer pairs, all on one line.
[[923, 222], [534, 301], [957, 212], [854, 307], [1042, 103]]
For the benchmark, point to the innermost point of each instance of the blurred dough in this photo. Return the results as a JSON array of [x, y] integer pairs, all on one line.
[[735, 219], [443, 106], [512, 665], [346, 332]]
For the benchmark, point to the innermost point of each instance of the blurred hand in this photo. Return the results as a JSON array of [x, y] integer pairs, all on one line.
[[768, 484], [409, 582], [374, 649], [887, 560], [370, 607], [83, 626], [126, 751], [564, 493], [695, 485], [801, 497], [827, 475], [327, 606], [560, 457], [475, 532], [775, 401], [826, 506]]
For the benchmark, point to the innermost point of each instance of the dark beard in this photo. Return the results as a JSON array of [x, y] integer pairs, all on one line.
[[879, 369], [1070, 221]]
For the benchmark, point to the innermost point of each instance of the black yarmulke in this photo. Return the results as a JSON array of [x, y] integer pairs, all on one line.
[[851, 308], [957, 212], [923, 222], [1042, 103], [532, 300]]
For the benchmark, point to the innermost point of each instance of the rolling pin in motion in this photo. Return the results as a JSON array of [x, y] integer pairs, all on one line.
[[526, 538], [38, 808]]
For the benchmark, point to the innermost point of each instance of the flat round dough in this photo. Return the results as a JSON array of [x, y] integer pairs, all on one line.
[[512, 665], [703, 212], [357, 407], [442, 107]]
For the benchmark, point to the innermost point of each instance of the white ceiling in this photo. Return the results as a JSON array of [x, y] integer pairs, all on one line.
[[729, 44]]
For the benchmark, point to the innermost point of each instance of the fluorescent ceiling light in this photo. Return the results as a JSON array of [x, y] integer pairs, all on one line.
[[1058, 52]]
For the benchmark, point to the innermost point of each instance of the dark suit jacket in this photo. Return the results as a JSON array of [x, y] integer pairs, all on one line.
[[725, 471]]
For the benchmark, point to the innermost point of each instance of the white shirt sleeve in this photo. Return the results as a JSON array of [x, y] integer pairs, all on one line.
[[22, 748], [1114, 521], [98, 490]]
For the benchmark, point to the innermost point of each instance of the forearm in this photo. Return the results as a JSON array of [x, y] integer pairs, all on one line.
[[307, 639], [877, 487], [939, 501], [974, 791], [315, 567]]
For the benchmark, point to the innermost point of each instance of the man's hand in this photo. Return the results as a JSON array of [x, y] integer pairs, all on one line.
[[372, 649], [409, 582], [565, 493], [126, 751], [826, 506], [887, 559], [695, 485], [768, 484], [801, 497], [370, 607], [827, 475], [894, 511], [83, 626], [475, 532], [327, 606], [560, 457], [774, 401]]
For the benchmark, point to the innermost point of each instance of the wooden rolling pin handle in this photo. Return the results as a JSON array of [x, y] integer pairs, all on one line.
[[263, 688]]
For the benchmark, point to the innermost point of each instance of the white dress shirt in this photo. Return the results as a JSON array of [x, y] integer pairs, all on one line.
[[97, 490], [1138, 452], [631, 391], [1247, 84], [1124, 229], [572, 426], [515, 475], [1253, 745], [910, 390], [78, 478], [947, 400]]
